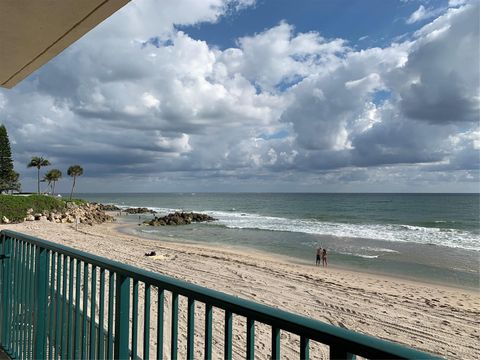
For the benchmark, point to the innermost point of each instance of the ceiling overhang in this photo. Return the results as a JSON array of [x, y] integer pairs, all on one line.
[[34, 32]]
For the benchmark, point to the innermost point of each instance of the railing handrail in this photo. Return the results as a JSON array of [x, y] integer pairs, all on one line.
[[360, 344]]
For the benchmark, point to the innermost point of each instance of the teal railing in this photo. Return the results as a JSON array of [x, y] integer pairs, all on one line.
[[58, 302]]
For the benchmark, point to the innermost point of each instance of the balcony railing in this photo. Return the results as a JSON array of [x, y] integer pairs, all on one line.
[[58, 302]]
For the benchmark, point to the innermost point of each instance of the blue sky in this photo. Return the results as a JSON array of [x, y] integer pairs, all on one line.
[[363, 23], [260, 95]]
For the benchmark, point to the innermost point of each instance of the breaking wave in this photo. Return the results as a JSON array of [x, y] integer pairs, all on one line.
[[441, 236]]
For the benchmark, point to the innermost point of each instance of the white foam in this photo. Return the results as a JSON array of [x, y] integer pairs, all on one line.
[[374, 249], [390, 232], [149, 231], [366, 256], [360, 255], [156, 209]]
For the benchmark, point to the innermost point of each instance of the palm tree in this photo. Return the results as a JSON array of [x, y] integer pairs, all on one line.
[[38, 162], [52, 177], [74, 171]]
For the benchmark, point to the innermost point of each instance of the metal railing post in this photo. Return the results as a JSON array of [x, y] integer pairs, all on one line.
[[40, 303], [6, 288], [122, 314], [339, 353], [2, 286]]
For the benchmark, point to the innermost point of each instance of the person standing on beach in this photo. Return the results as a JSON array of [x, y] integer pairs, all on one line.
[[319, 252], [324, 257]]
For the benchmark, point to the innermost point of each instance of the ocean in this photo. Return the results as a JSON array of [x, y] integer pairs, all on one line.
[[426, 237]]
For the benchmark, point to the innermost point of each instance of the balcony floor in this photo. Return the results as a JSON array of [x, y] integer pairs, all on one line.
[[3, 356]]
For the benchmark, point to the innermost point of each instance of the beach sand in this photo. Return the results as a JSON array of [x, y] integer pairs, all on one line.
[[429, 317]]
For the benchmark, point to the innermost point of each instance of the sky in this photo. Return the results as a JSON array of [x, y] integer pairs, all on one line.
[[260, 95]]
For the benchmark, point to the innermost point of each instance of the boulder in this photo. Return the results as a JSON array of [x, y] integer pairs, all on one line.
[[107, 207], [179, 218], [5, 220], [30, 217], [140, 210], [71, 205], [86, 214]]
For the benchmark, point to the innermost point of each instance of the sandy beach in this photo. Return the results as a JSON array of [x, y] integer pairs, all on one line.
[[433, 318]]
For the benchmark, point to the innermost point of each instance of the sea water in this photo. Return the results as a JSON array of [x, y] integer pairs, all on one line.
[[431, 237]]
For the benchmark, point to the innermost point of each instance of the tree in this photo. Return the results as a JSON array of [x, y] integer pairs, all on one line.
[[10, 182], [74, 171], [52, 177], [8, 177], [38, 162]]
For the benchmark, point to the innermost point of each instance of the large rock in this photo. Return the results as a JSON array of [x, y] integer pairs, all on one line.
[[179, 218], [140, 210], [107, 207], [71, 205], [85, 213]]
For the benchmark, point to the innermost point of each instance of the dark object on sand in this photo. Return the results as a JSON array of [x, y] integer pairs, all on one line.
[[151, 253]]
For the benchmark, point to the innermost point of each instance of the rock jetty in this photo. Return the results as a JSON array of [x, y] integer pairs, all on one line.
[[179, 218], [135, 210], [85, 213], [107, 207], [140, 210]]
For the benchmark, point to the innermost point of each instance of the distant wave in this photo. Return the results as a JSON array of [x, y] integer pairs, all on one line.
[[360, 255], [389, 232], [149, 231], [379, 249]]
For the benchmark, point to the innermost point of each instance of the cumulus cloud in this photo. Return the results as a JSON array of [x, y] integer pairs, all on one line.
[[278, 55], [442, 78], [454, 3], [139, 99]]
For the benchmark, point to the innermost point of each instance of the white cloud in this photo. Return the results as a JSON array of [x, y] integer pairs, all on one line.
[[422, 13], [281, 105], [150, 101], [454, 3], [440, 81], [140, 20], [278, 56]]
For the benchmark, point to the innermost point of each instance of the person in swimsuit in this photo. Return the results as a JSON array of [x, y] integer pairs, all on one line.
[[319, 253], [324, 257]]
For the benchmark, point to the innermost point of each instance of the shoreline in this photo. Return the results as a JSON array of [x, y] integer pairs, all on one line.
[[438, 319], [286, 260], [123, 227]]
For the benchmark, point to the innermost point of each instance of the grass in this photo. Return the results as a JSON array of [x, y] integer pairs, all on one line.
[[15, 207], [77, 201]]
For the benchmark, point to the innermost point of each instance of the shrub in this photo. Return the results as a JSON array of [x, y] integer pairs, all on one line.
[[15, 207]]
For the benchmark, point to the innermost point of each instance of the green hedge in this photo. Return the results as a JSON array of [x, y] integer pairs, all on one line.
[[15, 207]]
